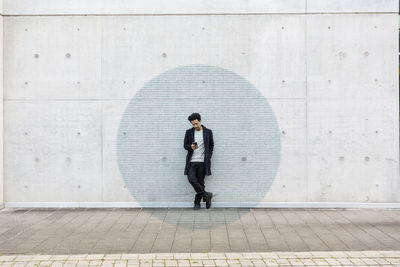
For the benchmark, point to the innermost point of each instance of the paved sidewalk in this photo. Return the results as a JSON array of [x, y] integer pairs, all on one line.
[[109, 231], [332, 258]]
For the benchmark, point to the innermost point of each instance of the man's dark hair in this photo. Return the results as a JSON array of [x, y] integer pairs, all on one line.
[[194, 116]]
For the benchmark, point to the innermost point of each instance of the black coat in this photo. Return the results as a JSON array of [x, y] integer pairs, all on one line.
[[208, 148]]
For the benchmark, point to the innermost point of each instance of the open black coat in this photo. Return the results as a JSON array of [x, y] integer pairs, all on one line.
[[208, 148]]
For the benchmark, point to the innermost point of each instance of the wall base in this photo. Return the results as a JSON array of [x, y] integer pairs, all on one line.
[[327, 205]]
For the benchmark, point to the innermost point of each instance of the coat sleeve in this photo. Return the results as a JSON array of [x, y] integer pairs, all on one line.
[[211, 143], [186, 144]]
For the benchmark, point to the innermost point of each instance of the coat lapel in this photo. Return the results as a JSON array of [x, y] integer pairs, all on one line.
[[204, 135]]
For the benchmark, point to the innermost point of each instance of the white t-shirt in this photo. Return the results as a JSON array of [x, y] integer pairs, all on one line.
[[198, 154]]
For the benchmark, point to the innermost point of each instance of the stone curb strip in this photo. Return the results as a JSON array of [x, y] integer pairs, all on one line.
[[309, 258]]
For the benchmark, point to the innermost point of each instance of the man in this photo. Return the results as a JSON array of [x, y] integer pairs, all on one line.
[[199, 143]]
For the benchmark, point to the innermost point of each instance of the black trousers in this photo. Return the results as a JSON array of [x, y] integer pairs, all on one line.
[[196, 179]]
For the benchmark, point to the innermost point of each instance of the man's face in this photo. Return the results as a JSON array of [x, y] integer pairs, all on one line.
[[196, 124]]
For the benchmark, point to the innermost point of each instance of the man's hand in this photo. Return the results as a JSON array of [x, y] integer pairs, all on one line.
[[194, 147]]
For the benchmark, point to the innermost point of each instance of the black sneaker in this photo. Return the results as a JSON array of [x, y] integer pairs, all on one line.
[[205, 197], [208, 200], [196, 206]]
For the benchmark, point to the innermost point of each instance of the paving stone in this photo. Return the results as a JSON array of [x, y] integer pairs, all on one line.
[[295, 261], [213, 255], [390, 253], [59, 257], [46, 263], [251, 255], [306, 254], [308, 262], [171, 262], [246, 262], [282, 261], [257, 262], [83, 262], [183, 262], [199, 255], [233, 255], [371, 253], [20, 263], [42, 257], [129, 256], [158, 263], [33, 263], [286, 255], [145, 261], [94, 256], [321, 254], [95, 262], [337, 254], [344, 261], [7, 258], [77, 257], [320, 261], [381, 261], [220, 262], [164, 255], [369, 261], [107, 262], [270, 262]]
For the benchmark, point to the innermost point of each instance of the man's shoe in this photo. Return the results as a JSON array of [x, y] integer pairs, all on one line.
[[208, 200], [196, 206], [205, 197]]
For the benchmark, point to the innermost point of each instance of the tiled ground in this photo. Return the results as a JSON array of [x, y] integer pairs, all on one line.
[[108, 231]]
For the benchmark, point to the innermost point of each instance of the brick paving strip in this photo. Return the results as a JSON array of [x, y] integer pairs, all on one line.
[[309, 258]]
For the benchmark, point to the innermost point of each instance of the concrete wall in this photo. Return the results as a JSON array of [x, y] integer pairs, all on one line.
[[325, 73], [1, 109]]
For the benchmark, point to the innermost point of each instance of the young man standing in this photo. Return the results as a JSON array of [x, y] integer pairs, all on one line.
[[199, 143]]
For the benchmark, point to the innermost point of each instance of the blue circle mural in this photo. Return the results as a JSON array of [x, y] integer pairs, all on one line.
[[246, 134]]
